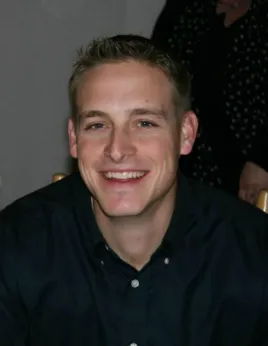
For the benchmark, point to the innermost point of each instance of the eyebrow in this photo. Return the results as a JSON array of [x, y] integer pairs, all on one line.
[[158, 112], [92, 114]]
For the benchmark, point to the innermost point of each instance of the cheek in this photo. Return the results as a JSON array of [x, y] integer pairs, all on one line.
[[164, 152], [87, 146], [88, 152]]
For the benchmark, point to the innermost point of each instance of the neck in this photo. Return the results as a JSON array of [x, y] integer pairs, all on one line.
[[134, 239]]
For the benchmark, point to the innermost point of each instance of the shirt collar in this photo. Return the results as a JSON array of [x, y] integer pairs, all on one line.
[[177, 228], [181, 215]]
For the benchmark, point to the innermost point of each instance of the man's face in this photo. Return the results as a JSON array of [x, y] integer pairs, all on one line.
[[128, 140]]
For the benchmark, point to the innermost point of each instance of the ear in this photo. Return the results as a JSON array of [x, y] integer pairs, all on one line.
[[72, 138], [188, 131]]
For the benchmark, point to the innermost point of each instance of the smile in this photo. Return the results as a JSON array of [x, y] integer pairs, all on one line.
[[124, 175]]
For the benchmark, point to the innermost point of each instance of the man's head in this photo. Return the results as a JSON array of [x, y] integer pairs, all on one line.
[[123, 48], [130, 122]]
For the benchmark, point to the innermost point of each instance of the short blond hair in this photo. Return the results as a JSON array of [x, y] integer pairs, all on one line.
[[122, 48]]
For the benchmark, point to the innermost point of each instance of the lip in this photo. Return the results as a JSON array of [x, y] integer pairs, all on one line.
[[123, 170], [124, 175]]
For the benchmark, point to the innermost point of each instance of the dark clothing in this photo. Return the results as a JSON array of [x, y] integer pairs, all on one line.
[[205, 286], [229, 70]]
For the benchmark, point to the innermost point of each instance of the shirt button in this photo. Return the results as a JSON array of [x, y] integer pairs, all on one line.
[[135, 283], [166, 260], [102, 262]]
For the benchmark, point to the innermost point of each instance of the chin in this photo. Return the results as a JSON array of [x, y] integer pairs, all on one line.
[[122, 211]]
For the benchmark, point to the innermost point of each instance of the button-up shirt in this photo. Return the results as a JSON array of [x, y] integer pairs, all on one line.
[[60, 284]]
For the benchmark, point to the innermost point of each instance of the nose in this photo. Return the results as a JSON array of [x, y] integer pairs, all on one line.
[[120, 145]]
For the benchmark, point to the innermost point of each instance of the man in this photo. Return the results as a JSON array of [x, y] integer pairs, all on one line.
[[126, 252]]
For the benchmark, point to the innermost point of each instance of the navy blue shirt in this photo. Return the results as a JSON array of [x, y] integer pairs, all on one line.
[[61, 285]]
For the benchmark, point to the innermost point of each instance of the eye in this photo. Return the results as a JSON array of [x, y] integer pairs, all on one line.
[[145, 123], [96, 126]]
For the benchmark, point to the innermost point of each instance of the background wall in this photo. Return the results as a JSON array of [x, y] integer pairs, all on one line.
[[38, 41]]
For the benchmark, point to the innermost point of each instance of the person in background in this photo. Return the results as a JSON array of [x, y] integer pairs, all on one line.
[[127, 251], [224, 46]]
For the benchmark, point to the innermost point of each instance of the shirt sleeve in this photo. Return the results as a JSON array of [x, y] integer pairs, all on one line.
[[262, 326], [247, 94], [258, 141], [13, 321]]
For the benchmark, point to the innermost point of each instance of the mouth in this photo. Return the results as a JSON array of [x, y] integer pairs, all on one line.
[[124, 176]]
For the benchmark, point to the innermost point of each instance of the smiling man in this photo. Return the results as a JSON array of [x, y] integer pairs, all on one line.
[[126, 135], [128, 251]]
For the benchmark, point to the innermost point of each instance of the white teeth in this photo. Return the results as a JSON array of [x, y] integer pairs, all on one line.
[[124, 175]]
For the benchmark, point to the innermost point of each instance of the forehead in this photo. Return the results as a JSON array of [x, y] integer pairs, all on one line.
[[123, 84]]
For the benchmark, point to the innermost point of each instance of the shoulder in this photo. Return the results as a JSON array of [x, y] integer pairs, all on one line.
[[32, 212], [225, 227], [52, 194], [213, 204]]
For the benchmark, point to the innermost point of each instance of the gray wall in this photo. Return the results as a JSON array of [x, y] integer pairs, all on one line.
[[38, 40]]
